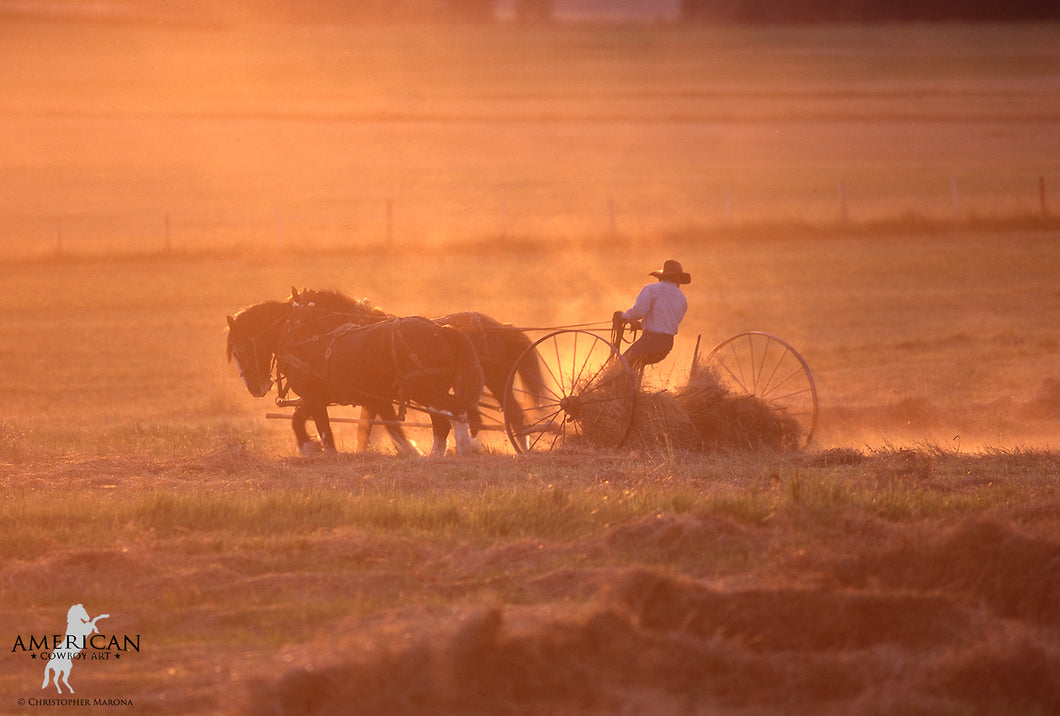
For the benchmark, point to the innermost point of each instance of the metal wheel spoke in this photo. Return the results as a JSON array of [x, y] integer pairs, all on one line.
[[788, 377], [572, 407], [737, 379], [766, 367]]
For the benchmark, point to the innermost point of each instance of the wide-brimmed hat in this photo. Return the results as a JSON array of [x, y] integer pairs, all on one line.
[[671, 271]]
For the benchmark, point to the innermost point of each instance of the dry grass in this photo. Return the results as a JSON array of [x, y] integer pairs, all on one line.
[[868, 575], [742, 582]]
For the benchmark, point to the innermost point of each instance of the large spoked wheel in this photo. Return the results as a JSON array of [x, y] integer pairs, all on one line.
[[569, 390], [768, 368]]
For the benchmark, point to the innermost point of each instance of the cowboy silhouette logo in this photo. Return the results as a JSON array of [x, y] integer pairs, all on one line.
[[78, 628]]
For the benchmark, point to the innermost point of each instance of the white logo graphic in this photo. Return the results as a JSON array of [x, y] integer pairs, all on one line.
[[78, 627]]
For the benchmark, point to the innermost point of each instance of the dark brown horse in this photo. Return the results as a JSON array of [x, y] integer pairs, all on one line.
[[403, 362], [254, 336], [498, 347]]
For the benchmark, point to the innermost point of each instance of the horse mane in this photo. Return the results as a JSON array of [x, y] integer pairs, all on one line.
[[263, 307], [337, 302], [254, 314]]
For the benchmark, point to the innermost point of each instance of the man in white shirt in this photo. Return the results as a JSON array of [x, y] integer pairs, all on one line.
[[660, 308]]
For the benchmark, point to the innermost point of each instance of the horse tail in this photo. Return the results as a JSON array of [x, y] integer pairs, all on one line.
[[530, 370], [468, 377]]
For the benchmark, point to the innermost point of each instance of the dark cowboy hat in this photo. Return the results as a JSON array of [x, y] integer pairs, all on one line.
[[671, 271]]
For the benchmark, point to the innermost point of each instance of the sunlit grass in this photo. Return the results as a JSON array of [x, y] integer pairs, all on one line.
[[486, 502]]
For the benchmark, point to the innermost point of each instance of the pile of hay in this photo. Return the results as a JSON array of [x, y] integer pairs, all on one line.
[[660, 423], [727, 420], [705, 415]]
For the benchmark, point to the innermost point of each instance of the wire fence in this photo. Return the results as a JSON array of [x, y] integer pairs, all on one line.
[[411, 223]]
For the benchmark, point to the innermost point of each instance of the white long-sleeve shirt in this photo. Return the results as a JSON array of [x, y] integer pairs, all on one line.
[[661, 305]]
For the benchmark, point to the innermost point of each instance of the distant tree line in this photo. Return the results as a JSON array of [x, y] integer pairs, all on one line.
[[543, 11], [374, 11], [720, 11], [793, 11], [534, 10]]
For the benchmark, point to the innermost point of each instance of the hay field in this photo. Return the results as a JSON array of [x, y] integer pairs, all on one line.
[[264, 135], [905, 563]]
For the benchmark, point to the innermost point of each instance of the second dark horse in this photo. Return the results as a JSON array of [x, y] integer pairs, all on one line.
[[402, 362]]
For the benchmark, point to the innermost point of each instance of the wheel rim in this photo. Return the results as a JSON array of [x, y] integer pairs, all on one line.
[[770, 369], [583, 397]]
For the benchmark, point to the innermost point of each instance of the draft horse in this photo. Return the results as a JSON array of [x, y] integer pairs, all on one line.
[[497, 345], [254, 336], [255, 332], [404, 362]]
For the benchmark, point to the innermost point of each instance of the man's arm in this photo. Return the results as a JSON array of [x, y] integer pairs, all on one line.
[[642, 305]]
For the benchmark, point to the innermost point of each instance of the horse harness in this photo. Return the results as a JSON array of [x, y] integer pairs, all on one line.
[[398, 347]]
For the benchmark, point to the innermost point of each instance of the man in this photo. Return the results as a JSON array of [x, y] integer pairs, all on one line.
[[660, 308]]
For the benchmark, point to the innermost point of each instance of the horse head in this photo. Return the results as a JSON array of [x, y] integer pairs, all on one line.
[[253, 336]]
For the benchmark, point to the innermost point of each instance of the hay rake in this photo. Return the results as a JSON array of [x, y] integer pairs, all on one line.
[[587, 391]]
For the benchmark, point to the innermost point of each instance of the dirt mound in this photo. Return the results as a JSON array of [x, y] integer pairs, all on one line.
[[1016, 575], [656, 643], [669, 537], [80, 571], [789, 619], [1008, 670]]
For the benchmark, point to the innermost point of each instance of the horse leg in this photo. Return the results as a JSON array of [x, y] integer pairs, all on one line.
[[401, 442], [474, 421], [466, 442], [306, 444], [319, 412], [66, 679], [364, 428], [441, 426]]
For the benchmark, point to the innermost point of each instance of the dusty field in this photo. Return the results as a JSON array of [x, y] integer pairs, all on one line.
[[906, 562]]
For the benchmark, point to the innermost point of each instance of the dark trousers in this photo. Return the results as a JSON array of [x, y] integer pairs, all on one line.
[[650, 348]]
